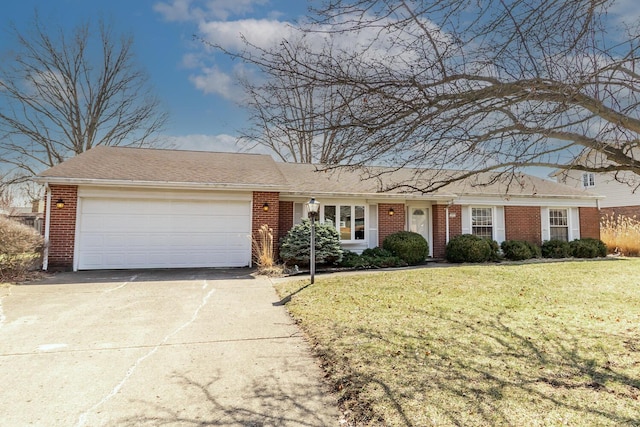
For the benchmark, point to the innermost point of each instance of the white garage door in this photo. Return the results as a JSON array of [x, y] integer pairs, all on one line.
[[134, 233]]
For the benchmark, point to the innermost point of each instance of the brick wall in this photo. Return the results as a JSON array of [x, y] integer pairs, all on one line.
[[285, 220], [260, 217], [389, 224], [62, 227], [589, 223], [523, 223], [440, 227]]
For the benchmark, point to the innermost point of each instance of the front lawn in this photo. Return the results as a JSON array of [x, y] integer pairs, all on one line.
[[545, 344]]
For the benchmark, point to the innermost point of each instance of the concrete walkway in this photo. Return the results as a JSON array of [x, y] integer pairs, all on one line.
[[200, 347]]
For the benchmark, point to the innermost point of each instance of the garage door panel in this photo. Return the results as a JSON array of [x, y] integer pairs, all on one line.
[[123, 233]]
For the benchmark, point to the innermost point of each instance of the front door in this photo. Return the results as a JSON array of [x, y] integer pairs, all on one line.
[[419, 222]]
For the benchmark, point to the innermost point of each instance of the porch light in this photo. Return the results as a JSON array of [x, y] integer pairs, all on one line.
[[60, 204], [265, 207], [391, 212], [313, 206]]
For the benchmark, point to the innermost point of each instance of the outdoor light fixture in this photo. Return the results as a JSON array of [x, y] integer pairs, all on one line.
[[391, 212], [265, 207], [60, 204], [313, 206]]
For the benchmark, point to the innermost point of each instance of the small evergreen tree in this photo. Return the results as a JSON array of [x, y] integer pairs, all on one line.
[[295, 247]]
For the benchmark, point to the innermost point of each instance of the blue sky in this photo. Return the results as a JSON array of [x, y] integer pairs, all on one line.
[[193, 84]]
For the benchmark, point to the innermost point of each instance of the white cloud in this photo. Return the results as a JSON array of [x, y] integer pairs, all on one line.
[[261, 32], [198, 10], [626, 12], [199, 142], [213, 81], [218, 143]]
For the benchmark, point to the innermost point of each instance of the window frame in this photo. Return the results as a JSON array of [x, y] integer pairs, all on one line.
[[353, 226], [491, 216], [588, 180], [566, 226]]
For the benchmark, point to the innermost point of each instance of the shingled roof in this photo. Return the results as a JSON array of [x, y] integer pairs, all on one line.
[[153, 166], [176, 168]]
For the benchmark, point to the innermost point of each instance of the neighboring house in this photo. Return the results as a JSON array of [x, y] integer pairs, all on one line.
[[620, 198], [116, 208]]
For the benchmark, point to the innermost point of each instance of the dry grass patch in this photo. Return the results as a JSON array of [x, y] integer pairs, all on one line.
[[621, 234], [542, 344]]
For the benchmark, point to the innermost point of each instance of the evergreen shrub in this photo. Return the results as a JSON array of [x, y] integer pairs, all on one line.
[[556, 249], [518, 250], [409, 246], [471, 248], [588, 248], [295, 246]]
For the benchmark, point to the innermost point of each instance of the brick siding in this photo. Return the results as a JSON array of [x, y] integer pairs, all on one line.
[[285, 221], [271, 217], [389, 224], [589, 223], [440, 227], [523, 223], [62, 231]]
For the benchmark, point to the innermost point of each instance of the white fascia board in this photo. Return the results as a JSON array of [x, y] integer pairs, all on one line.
[[370, 197], [157, 184], [567, 201]]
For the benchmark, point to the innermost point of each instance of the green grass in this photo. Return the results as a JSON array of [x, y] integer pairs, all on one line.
[[538, 345]]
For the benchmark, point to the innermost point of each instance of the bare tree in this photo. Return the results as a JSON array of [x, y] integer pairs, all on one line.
[[491, 86], [61, 94], [292, 118]]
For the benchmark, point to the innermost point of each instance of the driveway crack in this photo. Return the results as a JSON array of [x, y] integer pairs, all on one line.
[[82, 419]]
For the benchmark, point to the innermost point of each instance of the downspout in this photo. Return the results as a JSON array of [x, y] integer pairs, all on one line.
[[47, 209], [446, 221]]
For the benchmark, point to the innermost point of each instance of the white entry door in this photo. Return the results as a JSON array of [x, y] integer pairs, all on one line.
[[419, 222]]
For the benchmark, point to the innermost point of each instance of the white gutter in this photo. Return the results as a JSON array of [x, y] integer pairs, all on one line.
[[155, 184], [47, 223], [446, 222]]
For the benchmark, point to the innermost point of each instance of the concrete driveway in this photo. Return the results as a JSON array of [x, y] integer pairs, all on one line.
[[188, 347]]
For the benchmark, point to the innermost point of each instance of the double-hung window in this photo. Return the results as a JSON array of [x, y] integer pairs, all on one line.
[[349, 220], [559, 224], [588, 180], [482, 222]]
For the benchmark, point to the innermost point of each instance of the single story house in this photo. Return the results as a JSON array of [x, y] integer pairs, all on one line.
[[124, 208]]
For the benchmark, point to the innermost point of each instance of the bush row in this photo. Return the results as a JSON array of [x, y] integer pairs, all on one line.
[[408, 248], [402, 248], [470, 248]]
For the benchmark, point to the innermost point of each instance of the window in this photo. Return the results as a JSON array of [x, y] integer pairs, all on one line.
[[558, 224], [588, 180], [482, 222], [349, 220]]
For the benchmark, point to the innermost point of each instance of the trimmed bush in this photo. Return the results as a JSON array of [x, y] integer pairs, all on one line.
[[20, 249], [556, 249], [371, 258], [518, 250], [588, 248], [470, 248], [409, 246], [295, 246]]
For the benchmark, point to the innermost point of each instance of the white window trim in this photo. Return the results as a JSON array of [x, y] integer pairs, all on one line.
[[493, 219], [573, 222], [589, 178], [353, 205]]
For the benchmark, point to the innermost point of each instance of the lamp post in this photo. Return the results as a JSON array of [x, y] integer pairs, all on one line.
[[313, 207]]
